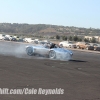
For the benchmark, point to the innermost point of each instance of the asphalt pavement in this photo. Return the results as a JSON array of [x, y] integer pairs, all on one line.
[[79, 78]]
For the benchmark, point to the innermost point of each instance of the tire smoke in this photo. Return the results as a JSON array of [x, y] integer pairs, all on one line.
[[12, 49]]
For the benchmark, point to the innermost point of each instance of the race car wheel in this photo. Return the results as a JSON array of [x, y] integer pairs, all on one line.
[[30, 51], [52, 54]]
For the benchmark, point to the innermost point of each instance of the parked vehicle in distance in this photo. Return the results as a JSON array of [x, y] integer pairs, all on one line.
[[42, 42], [28, 40], [96, 47], [20, 40], [67, 44], [84, 45], [8, 37], [2, 37]]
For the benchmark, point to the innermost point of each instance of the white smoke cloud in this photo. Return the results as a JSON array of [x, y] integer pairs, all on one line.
[[12, 49]]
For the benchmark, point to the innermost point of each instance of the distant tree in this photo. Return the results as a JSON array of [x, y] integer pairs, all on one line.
[[75, 38], [86, 40], [51, 37], [93, 40], [79, 39], [70, 38], [57, 37], [64, 37]]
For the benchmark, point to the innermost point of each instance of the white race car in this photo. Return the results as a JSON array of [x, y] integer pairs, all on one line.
[[54, 53]]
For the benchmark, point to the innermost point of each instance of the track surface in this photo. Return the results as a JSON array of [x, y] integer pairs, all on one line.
[[80, 78]]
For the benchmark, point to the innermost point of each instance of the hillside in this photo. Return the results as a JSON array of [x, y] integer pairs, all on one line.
[[45, 30]]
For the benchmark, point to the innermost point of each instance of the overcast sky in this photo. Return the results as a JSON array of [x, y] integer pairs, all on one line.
[[79, 13]]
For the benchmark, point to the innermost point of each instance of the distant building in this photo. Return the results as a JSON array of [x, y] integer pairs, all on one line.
[[91, 37], [97, 38], [88, 37]]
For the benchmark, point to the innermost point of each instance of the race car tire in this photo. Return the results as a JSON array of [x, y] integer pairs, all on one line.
[[52, 54], [29, 51]]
